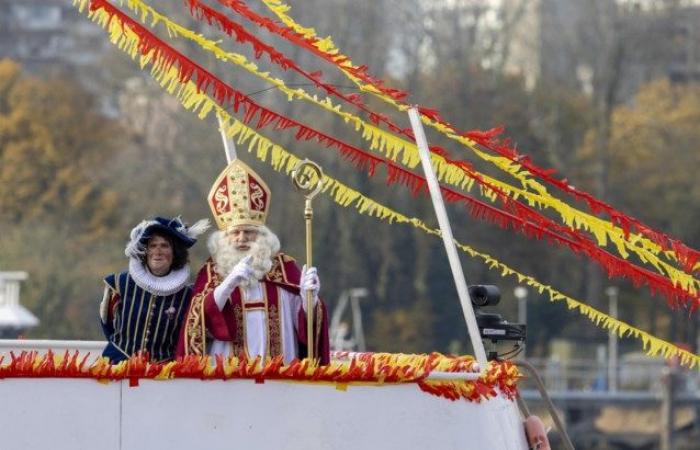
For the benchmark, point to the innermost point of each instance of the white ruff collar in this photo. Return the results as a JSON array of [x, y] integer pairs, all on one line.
[[165, 285]]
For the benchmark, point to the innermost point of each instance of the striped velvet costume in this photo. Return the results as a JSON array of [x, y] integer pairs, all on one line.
[[139, 320]]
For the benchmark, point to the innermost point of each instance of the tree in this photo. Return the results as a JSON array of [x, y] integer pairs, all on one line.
[[604, 48], [52, 138], [55, 212], [653, 143], [654, 136]]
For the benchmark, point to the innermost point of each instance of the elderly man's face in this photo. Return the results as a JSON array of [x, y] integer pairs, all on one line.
[[242, 236]]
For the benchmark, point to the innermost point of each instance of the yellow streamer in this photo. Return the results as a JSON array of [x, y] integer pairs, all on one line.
[[201, 104], [345, 196], [393, 147], [647, 250]]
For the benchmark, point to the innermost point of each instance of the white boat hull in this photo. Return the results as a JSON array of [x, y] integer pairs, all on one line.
[[185, 413], [193, 414]]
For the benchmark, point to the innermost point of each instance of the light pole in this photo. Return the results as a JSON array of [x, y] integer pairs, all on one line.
[[612, 292], [358, 333], [520, 293], [338, 329]]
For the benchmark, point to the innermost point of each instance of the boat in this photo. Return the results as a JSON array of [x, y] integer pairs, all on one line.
[[61, 395]]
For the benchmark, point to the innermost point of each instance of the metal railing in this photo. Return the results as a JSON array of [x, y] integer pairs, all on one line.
[[638, 375]]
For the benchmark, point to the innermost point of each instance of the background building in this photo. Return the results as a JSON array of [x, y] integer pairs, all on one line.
[[15, 319], [48, 36]]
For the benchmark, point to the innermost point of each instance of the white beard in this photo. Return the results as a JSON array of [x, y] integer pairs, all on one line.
[[225, 255]]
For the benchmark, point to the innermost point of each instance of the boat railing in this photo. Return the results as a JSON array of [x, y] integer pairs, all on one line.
[[590, 375]]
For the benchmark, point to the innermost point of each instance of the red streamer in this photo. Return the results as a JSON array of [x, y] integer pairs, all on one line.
[[213, 17], [686, 256], [532, 225]]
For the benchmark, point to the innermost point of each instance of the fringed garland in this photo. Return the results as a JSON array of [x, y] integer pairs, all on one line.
[[213, 17], [458, 174], [192, 98], [283, 161], [164, 57], [306, 38], [366, 368]]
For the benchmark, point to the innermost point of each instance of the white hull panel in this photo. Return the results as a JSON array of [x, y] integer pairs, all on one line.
[[75, 414], [193, 414]]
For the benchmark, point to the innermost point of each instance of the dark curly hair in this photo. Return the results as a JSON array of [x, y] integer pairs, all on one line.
[[181, 255]]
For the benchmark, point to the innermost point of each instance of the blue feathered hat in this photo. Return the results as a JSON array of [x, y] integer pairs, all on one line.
[[175, 228]]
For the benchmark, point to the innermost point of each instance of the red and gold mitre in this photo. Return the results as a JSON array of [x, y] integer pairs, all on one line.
[[239, 196]]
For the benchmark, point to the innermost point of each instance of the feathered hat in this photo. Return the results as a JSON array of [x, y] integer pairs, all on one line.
[[175, 228], [239, 196]]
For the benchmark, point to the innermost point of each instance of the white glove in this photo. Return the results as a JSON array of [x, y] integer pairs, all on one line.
[[309, 282], [240, 272]]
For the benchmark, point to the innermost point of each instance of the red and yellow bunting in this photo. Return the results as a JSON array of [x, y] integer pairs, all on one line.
[[283, 161], [174, 72], [171, 69], [458, 174], [451, 172], [618, 230], [366, 368]]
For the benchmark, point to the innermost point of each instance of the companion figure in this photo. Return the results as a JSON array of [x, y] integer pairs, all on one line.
[[143, 307]]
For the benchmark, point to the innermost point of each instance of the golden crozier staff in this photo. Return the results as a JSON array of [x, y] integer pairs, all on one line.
[[308, 176]]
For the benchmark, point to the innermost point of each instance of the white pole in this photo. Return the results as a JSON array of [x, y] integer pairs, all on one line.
[[448, 240], [334, 329], [355, 295], [229, 146], [612, 292], [520, 293]]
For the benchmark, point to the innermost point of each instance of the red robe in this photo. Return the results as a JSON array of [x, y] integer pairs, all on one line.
[[204, 320]]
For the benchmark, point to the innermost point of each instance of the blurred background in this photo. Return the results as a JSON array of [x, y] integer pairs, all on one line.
[[605, 92]]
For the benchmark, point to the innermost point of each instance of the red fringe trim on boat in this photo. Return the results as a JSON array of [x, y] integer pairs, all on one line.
[[373, 368]]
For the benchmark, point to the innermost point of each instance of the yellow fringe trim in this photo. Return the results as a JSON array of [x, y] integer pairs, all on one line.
[[602, 230], [406, 152], [283, 161]]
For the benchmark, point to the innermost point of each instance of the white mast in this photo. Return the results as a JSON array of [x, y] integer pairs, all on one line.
[[448, 240], [229, 145]]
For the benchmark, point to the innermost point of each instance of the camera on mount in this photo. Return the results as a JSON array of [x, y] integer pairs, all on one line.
[[484, 295], [493, 326]]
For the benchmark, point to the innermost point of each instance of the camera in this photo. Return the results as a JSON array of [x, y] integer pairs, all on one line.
[[493, 326], [484, 295]]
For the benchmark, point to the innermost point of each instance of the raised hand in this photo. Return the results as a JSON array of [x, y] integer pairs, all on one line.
[[241, 272]]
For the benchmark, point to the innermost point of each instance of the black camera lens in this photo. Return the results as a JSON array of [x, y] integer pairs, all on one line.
[[484, 294]]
